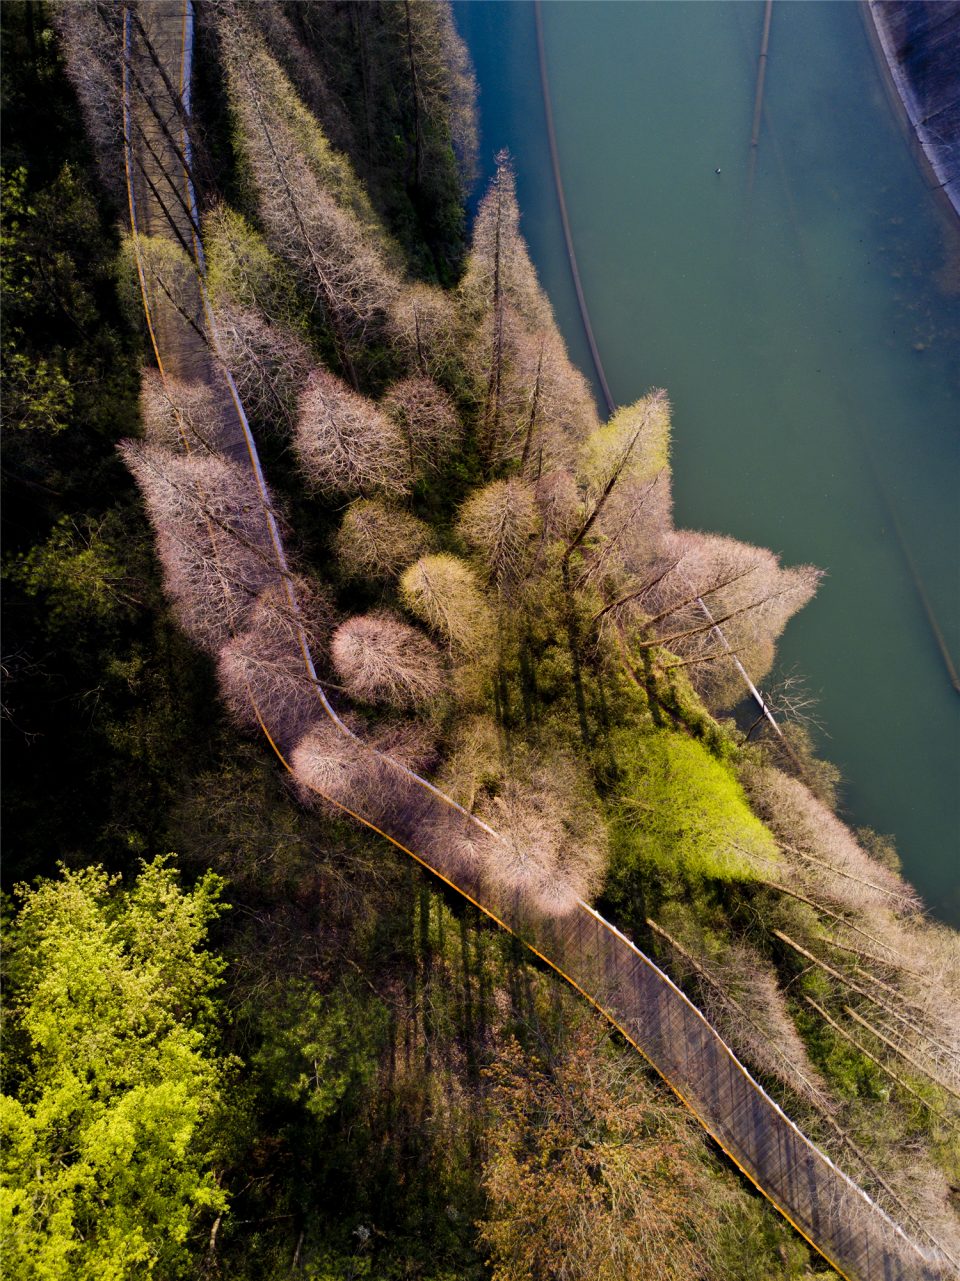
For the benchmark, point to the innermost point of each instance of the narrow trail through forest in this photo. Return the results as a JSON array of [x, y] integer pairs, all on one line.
[[825, 1206]]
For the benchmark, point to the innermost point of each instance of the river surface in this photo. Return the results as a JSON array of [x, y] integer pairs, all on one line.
[[808, 334]]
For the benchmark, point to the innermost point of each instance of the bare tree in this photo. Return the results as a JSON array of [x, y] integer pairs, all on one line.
[[423, 329], [427, 419], [330, 765], [411, 743], [552, 846], [558, 501], [499, 271], [383, 660], [316, 215], [558, 406], [825, 859], [346, 444], [621, 467], [243, 272], [719, 595], [177, 415], [500, 523], [269, 362], [473, 762], [212, 537], [376, 540], [263, 672], [443, 592], [91, 37], [303, 68]]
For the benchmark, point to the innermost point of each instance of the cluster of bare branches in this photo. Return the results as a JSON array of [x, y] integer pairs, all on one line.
[[317, 217], [423, 329], [346, 444], [531, 401], [376, 540], [263, 670], [825, 859], [212, 537], [500, 523], [551, 848], [740, 995], [383, 660], [177, 415], [91, 37], [427, 420], [269, 362]]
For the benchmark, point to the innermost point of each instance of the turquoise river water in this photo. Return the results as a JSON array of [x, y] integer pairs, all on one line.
[[808, 334]]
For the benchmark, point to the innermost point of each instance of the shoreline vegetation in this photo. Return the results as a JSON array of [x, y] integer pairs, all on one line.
[[284, 1050]]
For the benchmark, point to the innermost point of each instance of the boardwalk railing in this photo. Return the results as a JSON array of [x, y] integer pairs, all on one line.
[[823, 1204]]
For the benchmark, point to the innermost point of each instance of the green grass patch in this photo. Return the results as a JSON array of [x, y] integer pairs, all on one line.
[[679, 813]]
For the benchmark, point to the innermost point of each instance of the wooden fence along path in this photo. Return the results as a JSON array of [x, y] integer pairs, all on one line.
[[823, 1204]]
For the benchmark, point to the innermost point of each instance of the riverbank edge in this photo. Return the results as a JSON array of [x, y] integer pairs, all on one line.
[[939, 160]]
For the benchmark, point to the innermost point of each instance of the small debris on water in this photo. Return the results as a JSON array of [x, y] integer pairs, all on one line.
[[717, 170]]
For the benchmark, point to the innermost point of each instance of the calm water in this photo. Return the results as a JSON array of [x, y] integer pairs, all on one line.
[[808, 336]]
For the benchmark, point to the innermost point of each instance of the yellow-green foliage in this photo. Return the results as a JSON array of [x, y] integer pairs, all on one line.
[[678, 808], [605, 449], [241, 269]]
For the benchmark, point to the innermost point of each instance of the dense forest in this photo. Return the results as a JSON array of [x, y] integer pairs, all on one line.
[[245, 1036]]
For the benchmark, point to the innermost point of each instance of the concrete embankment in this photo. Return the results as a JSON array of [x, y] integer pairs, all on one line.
[[920, 45]]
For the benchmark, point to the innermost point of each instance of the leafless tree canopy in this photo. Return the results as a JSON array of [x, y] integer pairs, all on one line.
[[704, 585], [427, 420], [382, 660], [176, 415], [346, 444], [92, 41], [212, 537], [317, 217], [377, 540], [825, 858], [269, 362], [443, 592], [423, 329], [552, 846], [263, 669], [500, 522], [558, 501], [241, 269], [532, 402], [499, 270], [331, 765]]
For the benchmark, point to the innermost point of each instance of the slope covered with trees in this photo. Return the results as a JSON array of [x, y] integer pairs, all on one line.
[[496, 596]]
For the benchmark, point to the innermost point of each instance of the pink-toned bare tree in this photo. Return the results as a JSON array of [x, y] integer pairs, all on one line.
[[559, 504], [212, 537], [263, 672], [427, 420], [317, 216], [376, 540], [381, 659], [552, 847], [91, 37], [177, 415], [346, 444], [710, 595], [270, 363], [331, 765], [423, 328]]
